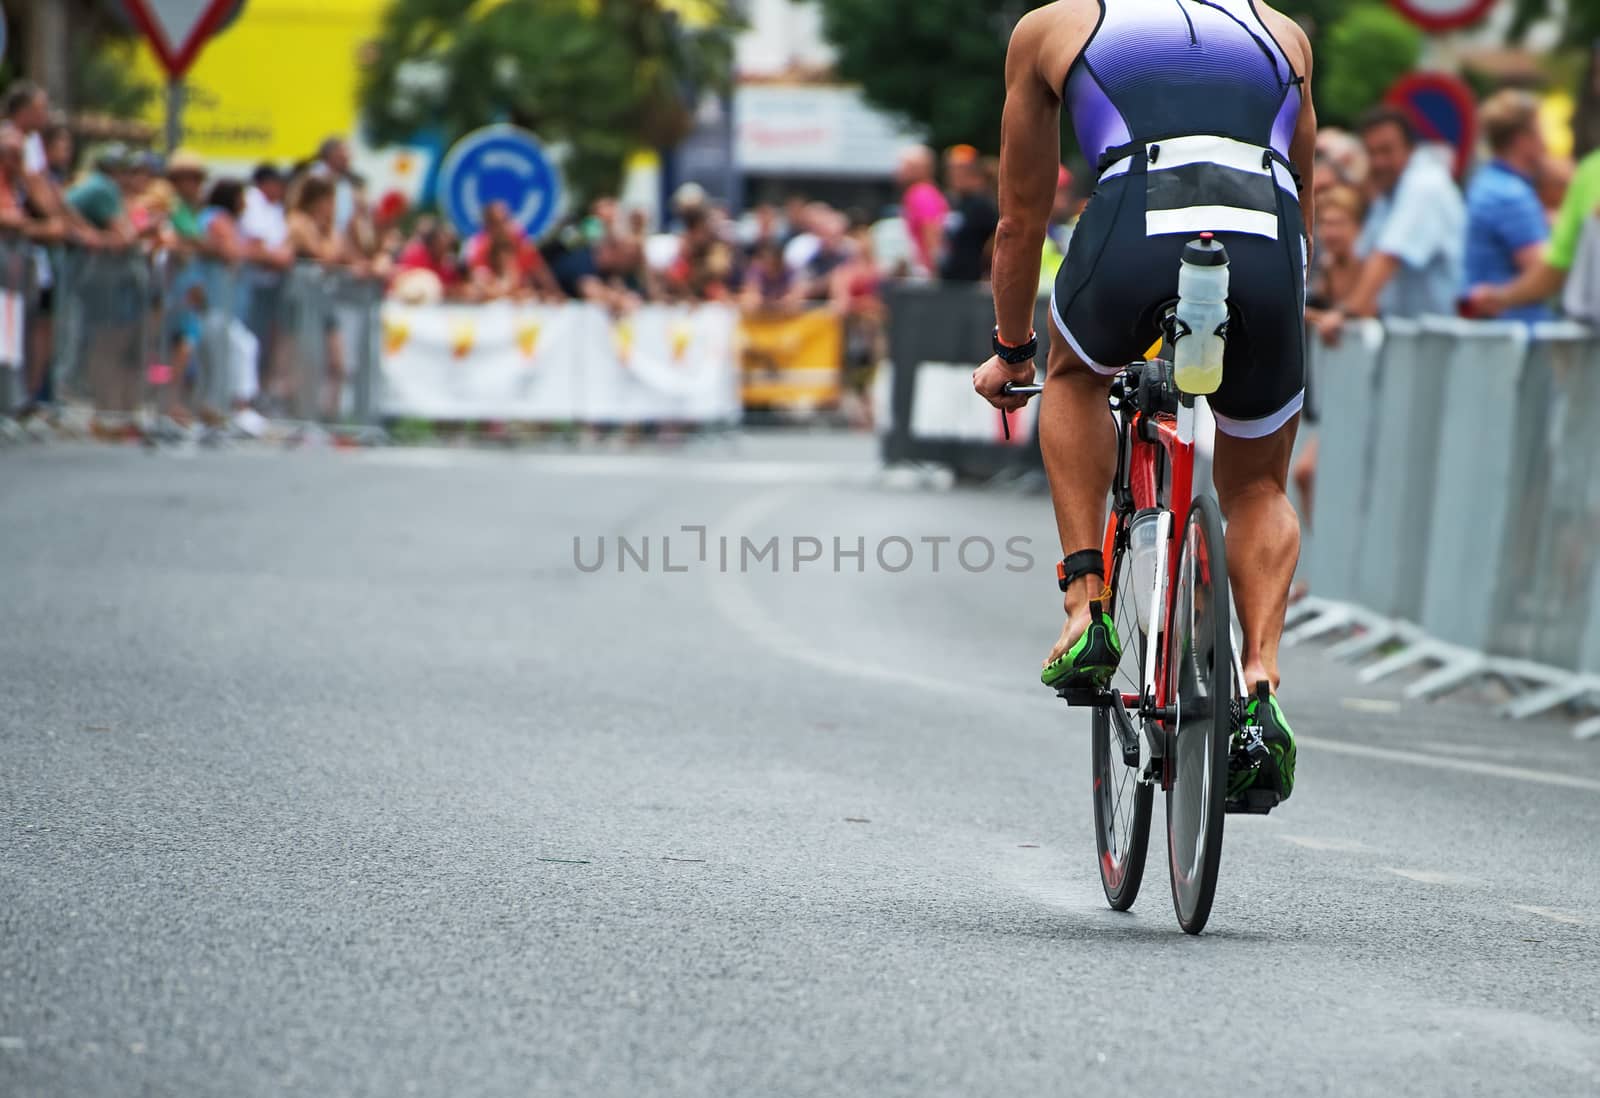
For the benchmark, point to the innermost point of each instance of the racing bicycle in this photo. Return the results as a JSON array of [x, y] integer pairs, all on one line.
[[1173, 715]]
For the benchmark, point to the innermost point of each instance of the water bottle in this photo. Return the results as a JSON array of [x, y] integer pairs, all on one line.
[[1143, 549], [1202, 311]]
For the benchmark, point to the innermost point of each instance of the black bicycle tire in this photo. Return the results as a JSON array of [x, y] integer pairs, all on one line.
[[1194, 887], [1120, 884]]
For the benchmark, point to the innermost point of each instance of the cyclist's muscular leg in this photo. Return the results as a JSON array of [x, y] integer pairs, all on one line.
[[1079, 443], [1251, 476]]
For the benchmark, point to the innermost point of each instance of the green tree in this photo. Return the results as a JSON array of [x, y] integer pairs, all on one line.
[[1361, 55], [938, 63], [602, 77]]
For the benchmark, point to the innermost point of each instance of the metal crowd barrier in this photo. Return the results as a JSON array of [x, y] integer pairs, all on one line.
[[937, 334], [1457, 508], [174, 345], [17, 288]]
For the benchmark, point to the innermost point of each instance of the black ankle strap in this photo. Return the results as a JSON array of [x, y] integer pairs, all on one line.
[[1087, 562]]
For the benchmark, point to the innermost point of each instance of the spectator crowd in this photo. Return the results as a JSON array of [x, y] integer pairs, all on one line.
[[1394, 236]]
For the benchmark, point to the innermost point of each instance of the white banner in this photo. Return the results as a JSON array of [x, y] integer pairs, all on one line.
[[560, 363]]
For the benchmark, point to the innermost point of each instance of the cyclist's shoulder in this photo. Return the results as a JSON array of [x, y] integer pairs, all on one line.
[[1291, 36], [1053, 35]]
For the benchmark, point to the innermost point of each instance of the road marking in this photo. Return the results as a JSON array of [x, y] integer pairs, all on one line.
[[1342, 846], [1465, 766], [1371, 705], [738, 607], [1468, 749], [1430, 876], [635, 466], [1554, 916]]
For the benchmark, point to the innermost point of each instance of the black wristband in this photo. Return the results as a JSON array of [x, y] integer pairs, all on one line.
[[1014, 356]]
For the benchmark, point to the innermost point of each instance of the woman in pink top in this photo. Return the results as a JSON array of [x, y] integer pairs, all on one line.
[[922, 208]]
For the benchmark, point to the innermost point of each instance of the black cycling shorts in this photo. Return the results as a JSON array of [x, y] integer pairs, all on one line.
[[1116, 281]]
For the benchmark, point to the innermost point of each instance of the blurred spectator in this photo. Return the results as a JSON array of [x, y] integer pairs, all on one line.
[[970, 227], [1576, 230], [432, 250], [804, 238], [621, 258], [703, 269], [1341, 161], [504, 263], [314, 237], [27, 108], [857, 298], [187, 174], [1415, 232], [312, 234], [1072, 198], [1335, 270], [1506, 225], [60, 152], [1555, 176], [767, 281], [148, 196], [98, 195], [813, 279], [264, 221], [228, 297], [761, 226], [923, 209], [365, 239], [333, 164]]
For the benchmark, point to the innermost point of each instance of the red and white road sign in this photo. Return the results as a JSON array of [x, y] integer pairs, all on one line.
[[176, 29], [1443, 15]]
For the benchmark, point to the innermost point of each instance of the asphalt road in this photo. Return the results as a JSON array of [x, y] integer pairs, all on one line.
[[332, 774]]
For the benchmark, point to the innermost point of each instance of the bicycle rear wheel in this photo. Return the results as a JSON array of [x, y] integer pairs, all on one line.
[[1199, 670], [1122, 803]]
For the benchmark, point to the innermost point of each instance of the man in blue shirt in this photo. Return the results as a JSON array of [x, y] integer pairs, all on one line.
[[1416, 226], [1506, 226]]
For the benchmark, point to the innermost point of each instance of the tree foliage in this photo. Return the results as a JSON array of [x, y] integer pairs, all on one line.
[[939, 63], [1363, 53], [602, 77]]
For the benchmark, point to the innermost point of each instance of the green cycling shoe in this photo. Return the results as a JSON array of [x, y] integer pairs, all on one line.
[[1272, 763], [1093, 660]]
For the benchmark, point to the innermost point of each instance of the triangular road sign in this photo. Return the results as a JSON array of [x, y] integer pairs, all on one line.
[[176, 29]]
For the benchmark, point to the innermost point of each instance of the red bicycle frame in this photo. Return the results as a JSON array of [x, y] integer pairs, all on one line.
[[1147, 442]]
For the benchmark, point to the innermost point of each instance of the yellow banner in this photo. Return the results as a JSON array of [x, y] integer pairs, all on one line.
[[792, 362]]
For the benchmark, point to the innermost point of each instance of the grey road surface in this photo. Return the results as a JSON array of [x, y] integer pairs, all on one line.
[[333, 774]]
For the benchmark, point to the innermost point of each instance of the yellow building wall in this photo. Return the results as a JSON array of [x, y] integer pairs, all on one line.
[[284, 77], [277, 82]]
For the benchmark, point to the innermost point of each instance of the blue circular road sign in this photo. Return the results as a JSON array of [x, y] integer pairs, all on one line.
[[500, 163]]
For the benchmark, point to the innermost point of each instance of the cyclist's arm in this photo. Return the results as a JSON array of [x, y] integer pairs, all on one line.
[[1030, 161]]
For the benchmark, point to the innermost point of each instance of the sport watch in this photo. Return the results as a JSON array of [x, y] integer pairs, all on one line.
[[1015, 356]]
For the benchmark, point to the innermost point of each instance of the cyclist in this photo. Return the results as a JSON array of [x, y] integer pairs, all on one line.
[[1199, 118]]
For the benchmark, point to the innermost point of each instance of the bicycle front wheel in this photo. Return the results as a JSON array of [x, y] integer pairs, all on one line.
[[1199, 681], [1122, 803]]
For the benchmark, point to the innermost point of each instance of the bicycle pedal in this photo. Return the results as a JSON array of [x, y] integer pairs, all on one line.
[[1086, 697], [1253, 802]]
